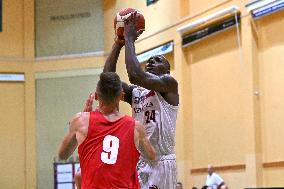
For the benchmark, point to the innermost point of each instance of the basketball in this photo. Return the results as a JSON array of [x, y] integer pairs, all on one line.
[[124, 14]]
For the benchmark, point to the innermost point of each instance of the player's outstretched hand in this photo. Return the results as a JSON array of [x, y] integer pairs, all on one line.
[[89, 103]]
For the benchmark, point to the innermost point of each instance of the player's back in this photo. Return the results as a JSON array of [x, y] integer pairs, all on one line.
[[108, 155]]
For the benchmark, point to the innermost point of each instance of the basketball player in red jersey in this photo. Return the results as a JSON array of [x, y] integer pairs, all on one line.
[[107, 140]]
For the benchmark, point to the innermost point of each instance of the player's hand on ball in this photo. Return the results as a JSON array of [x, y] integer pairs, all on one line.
[[130, 25], [124, 16]]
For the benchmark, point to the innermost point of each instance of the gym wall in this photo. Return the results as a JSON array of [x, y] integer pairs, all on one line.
[[17, 125], [59, 96], [12, 134], [230, 113], [19, 155], [271, 87], [218, 125], [11, 37]]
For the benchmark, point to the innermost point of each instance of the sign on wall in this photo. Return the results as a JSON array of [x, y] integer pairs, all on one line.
[[69, 27], [209, 30]]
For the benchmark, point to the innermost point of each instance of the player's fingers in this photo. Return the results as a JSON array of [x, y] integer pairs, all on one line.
[[125, 21], [132, 16], [135, 17], [92, 98], [87, 104]]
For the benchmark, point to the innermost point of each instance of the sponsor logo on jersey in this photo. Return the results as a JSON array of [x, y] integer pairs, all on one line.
[[138, 100], [147, 105]]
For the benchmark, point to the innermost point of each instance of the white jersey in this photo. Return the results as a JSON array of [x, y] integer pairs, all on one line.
[[159, 119]]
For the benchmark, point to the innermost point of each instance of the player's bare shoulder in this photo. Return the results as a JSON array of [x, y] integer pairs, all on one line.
[[170, 81], [80, 119], [171, 95]]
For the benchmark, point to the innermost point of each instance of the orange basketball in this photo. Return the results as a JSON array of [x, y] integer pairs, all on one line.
[[124, 14]]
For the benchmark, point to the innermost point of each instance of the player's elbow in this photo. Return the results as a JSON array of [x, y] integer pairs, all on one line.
[[62, 154], [135, 78]]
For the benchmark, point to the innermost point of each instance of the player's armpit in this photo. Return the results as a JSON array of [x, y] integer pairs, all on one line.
[[127, 89]]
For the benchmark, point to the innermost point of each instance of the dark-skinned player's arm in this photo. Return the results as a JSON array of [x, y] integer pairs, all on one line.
[[142, 143], [111, 61], [163, 83], [110, 66]]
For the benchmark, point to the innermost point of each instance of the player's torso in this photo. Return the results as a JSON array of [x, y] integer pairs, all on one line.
[[146, 107], [157, 116]]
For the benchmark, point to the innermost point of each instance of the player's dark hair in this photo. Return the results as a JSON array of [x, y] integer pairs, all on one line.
[[109, 87]]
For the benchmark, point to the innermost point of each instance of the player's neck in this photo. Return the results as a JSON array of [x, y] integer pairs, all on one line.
[[110, 112], [112, 109]]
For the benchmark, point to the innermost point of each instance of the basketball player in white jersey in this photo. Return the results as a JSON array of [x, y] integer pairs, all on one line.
[[154, 99]]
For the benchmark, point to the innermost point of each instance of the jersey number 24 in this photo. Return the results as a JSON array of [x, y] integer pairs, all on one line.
[[150, 116]]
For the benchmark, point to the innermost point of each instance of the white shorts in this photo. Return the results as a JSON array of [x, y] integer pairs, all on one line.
[[161, 173]]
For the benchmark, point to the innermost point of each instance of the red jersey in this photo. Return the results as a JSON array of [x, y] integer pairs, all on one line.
[[108, 156]]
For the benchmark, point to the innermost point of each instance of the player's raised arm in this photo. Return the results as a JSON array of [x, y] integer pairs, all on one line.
[[111, 61], [142, 142], [110, 66], [156, 75]]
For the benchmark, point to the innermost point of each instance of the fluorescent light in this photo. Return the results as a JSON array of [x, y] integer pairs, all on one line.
[[12, 77], [263, 7], [257, 4]]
